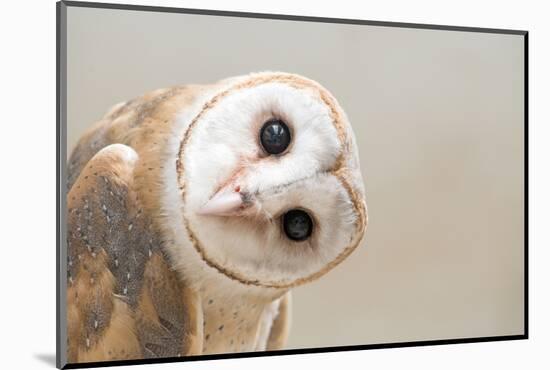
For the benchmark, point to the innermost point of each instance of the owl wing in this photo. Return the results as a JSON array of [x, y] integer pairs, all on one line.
[[123, 299], [281, 325]]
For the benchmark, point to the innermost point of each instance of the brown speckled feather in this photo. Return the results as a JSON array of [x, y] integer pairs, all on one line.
[[123, 299]]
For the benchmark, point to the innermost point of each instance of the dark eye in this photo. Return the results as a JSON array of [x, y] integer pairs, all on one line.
[[297, 225], [275, 136]]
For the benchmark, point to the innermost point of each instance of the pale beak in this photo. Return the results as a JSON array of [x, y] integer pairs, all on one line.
[[225, 202]]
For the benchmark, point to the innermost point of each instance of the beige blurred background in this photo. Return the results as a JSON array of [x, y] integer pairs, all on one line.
[[439, 121]]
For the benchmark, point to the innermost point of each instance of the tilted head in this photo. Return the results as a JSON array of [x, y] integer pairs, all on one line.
[[270, 181]]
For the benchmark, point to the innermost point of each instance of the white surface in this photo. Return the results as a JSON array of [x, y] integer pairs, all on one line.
[[28, 186]]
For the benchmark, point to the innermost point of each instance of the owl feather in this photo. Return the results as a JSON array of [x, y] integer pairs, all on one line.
[[169, 249]]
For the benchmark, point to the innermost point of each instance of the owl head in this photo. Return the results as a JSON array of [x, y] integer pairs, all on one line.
[[269, 181]]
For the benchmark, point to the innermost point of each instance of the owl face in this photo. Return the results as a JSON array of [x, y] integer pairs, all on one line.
[[271, 189]]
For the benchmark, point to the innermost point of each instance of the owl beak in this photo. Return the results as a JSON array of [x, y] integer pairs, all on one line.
[[225, 203]]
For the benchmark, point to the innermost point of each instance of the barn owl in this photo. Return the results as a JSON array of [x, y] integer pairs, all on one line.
[[193, 210]]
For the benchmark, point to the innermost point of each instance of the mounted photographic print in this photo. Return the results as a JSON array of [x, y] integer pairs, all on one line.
[[238, 184]]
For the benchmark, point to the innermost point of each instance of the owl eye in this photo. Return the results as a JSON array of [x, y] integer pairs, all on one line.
[[275, 136], [297, 225]]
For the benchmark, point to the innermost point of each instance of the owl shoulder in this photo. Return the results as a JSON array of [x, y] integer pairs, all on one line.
[[123, 298]]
